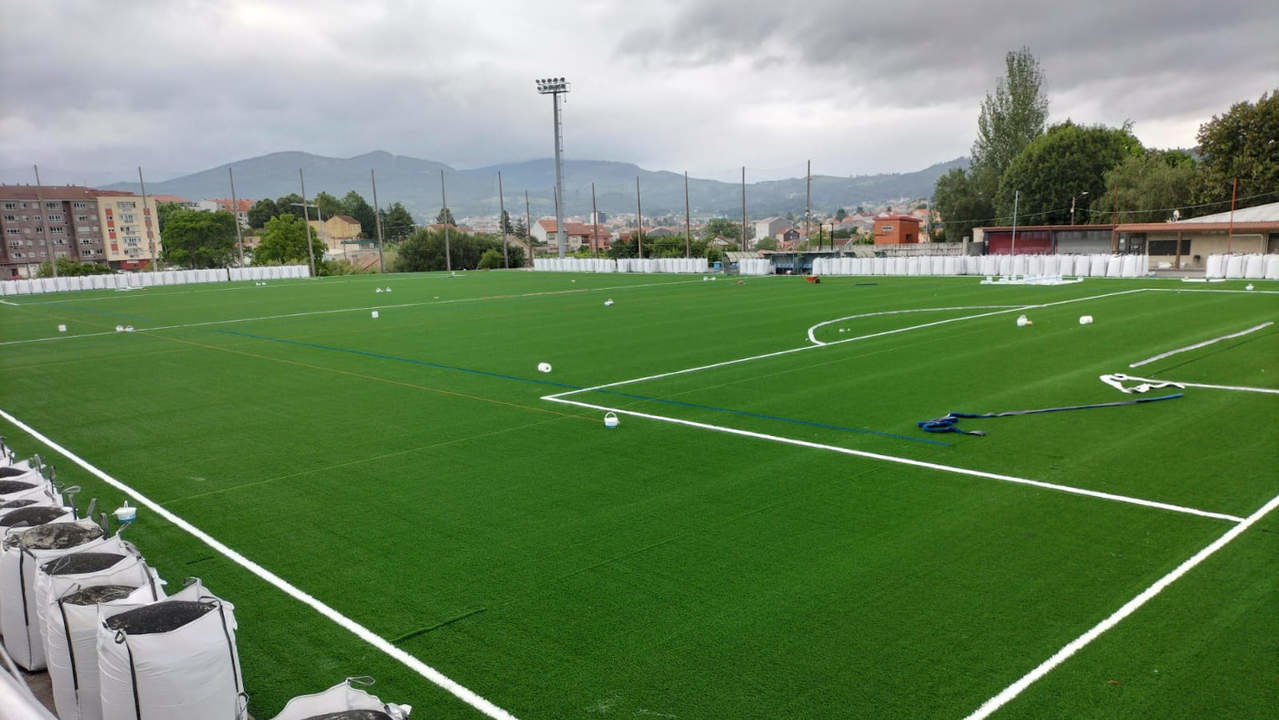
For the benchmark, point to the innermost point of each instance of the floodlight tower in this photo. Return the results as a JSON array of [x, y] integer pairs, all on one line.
[[556, 87]]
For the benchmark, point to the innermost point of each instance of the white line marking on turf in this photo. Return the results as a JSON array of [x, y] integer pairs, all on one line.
[[1196, 346], [906, 461], [1128, 608], [1231, 292], [813, 338], [833, 343], [359, 309], [6, 302], [377, 641]]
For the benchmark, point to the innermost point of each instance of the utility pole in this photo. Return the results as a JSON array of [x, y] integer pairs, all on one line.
[[377, 219], [146, 222], [502, 220], [595, 221], [306, 220], [743, 208], [1230, 234], [235, 210], [444, 215], [639, 220], [528, 229], [808, 198], [688, 222], [44, 225], [556, 87], [1016, 197]]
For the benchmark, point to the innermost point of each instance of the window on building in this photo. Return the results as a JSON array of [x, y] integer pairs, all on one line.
[[1168, 247], [59, 230], [126, 205], [82, 218], [52, 205], [13, 231], [18, 255], [79, 205], [127, 217]]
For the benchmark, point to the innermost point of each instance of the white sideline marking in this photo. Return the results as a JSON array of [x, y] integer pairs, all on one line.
[[1213, 290], [1196, 346], [813, 338], [345, 310], [6, 302], [1240, 388], [377, 641], [907, 461], [802, 348], [1128, 608]]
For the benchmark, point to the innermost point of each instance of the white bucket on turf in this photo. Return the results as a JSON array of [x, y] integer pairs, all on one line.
[[375, 315], [1023, 321], [1085, 319], [610, 420], [544, 367]]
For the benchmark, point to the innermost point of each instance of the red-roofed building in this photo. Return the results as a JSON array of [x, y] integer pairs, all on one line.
[[575, 234]]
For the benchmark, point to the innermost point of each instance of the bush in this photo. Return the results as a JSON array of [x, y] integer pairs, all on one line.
[[70, 268], [491, 259]]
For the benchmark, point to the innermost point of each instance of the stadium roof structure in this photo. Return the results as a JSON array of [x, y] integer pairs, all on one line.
[[1267, 213]]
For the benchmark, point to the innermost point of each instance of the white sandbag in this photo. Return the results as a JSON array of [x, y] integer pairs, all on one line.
[[1255, 267], [1114, 266], [151, 669], [71, 608], [338, 699], [23, 553], [1019, 265], [1272, 267], [1234, 266], [940, 263]]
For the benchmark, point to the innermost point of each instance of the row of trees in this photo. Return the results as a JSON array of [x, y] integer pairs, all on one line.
[[397, 223], [424, 251], [1104, 172]]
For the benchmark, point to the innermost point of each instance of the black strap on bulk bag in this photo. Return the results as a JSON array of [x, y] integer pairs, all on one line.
[[120, 638], [146, 572], [22, 583], [66, 630], [230, 645]]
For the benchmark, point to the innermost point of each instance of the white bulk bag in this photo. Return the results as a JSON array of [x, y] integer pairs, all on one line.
[[71, 629], [13, 480], [1234, 266], [339, 699], [191, 671], [1272, 267], [23, 553], [1255, 267]]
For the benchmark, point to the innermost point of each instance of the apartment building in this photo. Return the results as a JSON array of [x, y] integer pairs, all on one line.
[[130, 229], [39, 223]]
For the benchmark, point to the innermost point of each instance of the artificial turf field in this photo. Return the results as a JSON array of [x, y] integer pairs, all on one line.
[[716, 556]]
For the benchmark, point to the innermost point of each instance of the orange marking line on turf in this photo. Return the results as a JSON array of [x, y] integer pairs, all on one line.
[[380, 379]]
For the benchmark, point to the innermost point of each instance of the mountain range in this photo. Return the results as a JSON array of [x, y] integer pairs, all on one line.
[[416, 183]]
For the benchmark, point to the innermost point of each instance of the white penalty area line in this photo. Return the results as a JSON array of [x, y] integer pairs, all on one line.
[[906, 461], [426, 671], [1074, 646], [1196, 346], [813, 338], [833, 343], [309, 313]]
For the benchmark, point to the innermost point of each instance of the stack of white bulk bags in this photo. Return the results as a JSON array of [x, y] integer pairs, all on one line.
[[70, 591], [24, 551], [175, 658], [343, 702]]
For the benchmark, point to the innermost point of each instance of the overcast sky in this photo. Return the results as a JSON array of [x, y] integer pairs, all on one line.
[[92, 89]]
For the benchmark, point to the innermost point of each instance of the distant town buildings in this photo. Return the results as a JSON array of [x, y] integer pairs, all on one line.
[[79, 223]]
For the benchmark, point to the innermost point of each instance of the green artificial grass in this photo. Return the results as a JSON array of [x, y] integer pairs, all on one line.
[[406, 471]]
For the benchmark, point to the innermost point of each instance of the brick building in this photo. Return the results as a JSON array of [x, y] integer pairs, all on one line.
[[37, 223], [896, 229]]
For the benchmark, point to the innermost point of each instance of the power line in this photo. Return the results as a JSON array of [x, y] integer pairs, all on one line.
[[1103, 212]]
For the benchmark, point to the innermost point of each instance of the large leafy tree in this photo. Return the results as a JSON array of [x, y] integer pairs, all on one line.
[[424, 251], [354, 204], [1145, 188], [721, 227], [1011, 118], [397, 223], [328, 205], [290, 204], [445, 217], [199, 239], [263, 210], [284, 242], [1242, 143], [1066, 161], [163, 211], [962, 206]]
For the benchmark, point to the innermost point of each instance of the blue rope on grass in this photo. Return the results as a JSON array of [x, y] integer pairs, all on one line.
[[948, 422]]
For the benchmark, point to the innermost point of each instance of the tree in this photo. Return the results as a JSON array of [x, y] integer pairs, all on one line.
[[721, 227], [262, 211], [840, 214], [491, 259], [767, 243], [424, 251], [353, 204], [397, 223], [68, 268], [1242, 143], [1010, 119], [521, 231], [287, 204], [961, 205], [445, 217], [199, 239], [327, 204], [1066, 161], [284, 242], [506, 222], [1149, 186], [163, 211]]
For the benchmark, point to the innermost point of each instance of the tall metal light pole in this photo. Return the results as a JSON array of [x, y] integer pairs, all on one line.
[[306, 220], [556, 87], [155, 259], [444, 216], [1016, 199], [377, 218], [528, 229], [235, 210], [44, 226], [503, 220], [688, 223], [639, 221]]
